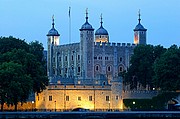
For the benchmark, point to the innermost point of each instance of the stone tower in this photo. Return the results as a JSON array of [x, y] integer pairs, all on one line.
[[140, 33], [101, 35], [52, 40], [87, 49]]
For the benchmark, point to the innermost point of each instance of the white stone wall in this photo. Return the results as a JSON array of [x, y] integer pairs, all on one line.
[[60, 92]]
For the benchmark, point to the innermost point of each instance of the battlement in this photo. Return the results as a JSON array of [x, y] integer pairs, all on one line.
[[139, 94], [79, 87], [68, 45], [114, 44]]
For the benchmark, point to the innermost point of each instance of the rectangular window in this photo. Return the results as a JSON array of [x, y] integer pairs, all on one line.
[[79, 98], [72, 58], [78, 69], [107, 98], [67, 98], [90, 98], [43, 98], [65, 58], [65, 70], [60, 59], [78, 57], [50, 98], [59, 71], [120, 59]]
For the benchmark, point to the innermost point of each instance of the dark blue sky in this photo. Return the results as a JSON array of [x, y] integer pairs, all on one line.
[[31, 19]]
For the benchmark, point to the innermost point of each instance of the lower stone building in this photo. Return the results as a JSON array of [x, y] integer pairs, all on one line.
[[93, 97]]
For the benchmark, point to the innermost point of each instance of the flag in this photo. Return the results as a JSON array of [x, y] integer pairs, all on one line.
[[69, 11]]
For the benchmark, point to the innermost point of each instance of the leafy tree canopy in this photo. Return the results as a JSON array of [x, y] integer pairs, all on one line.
[[21, 69], [167, 70], [141, 69]]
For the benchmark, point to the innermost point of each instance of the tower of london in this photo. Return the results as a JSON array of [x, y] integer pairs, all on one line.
[[86, 74]]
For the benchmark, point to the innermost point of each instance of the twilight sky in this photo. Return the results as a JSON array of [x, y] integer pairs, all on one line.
[[31, 19]]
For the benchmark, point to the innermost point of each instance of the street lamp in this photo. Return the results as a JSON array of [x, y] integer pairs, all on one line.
[[134, 104], [32, 104], [109, 105], [55, 105]]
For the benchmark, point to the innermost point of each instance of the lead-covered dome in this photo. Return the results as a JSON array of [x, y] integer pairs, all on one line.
[[139, 27], [101, 31], [86, 25], [53, 31]]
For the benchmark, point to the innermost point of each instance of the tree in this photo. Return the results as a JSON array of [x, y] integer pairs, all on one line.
[[15, 84], [37, 49], [167, 70], [141, 69], [10, 43], [30, 58]]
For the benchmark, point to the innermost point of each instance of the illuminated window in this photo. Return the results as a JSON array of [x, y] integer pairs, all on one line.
[[67, 98], [50, 98], [90, 98], [107, 98], [79, 98]]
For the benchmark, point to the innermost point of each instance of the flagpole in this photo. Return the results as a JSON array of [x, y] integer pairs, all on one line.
[[69, 25]]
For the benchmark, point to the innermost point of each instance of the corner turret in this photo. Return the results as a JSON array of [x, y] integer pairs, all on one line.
[[139, 33]]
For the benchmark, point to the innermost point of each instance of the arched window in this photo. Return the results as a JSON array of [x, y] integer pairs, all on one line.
[[108, 68], [97, 68], [121, 68]]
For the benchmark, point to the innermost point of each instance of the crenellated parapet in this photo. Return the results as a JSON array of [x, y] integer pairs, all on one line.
[[98, 44], [68, 45], [78, 87]]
